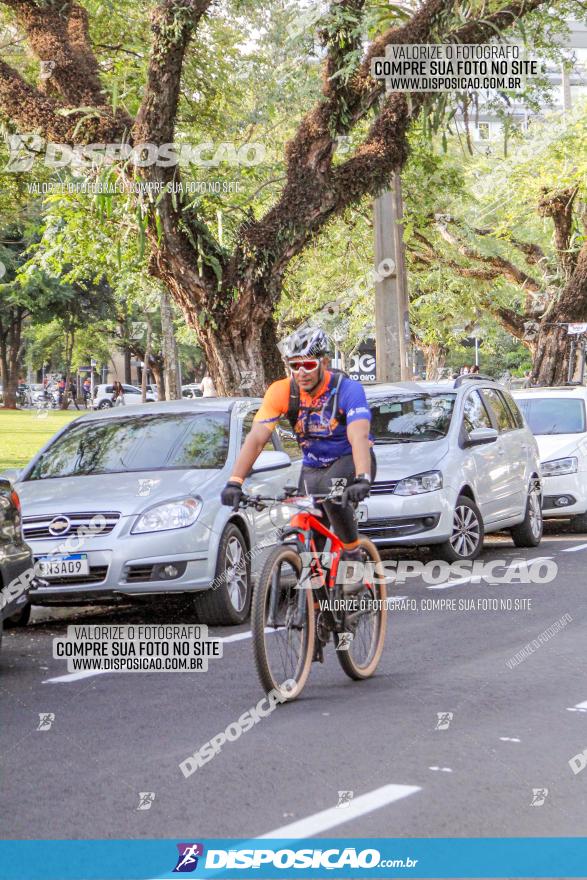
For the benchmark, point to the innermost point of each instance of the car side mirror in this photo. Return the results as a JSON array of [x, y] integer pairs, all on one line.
[[481, 436], [271, 460]]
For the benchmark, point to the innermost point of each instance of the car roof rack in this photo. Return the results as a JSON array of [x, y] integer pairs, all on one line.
[[474, 376]]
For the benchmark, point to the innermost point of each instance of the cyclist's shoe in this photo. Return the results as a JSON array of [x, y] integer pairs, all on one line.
[[354, 560]]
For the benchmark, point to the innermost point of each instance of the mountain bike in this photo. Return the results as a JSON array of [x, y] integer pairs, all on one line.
[[300, 603]]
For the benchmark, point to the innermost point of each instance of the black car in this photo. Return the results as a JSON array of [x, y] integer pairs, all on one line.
[[16, 561]]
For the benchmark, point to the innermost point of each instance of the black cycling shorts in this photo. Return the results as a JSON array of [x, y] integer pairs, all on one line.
[[319, 481]]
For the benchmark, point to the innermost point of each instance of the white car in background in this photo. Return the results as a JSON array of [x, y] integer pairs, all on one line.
[[455, 460], [557, 418], [132, 395], [191, 391]]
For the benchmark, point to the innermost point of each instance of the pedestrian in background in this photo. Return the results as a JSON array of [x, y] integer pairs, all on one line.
[[117, 394], [207, 386], [86, 391], [73, 392]]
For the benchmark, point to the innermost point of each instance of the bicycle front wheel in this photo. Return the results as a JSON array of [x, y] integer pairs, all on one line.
[[368, 625], [283, 625]]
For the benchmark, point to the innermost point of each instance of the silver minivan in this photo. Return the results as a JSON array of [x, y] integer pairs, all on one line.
[[125, 503]]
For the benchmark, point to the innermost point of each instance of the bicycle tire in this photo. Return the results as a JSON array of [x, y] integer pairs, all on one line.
[[345, 658], [269, 681]]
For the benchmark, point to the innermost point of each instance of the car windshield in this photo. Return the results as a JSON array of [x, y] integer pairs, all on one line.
[[136, 443], [553, 415], [411, 418]]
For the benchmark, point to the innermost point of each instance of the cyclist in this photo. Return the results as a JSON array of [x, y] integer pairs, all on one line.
[[331, 418]]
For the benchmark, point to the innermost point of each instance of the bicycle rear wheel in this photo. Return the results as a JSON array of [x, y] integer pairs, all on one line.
[[368, 626], [283, 653]]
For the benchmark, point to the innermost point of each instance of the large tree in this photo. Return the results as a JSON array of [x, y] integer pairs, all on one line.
[[229, 294]]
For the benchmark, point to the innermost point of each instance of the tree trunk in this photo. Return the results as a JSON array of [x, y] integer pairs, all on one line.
[[69, 343], [159, 380], [127, 368], [9, 376], [10, 357], [435, 358], [170, 353], [553, 346], [242, 360], [146, 362]]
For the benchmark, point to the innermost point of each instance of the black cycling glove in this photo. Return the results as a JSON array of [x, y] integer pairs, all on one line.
[[358, 491], [232, 494]]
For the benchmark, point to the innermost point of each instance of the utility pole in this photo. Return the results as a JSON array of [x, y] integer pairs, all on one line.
[[392, 322], [392, 315]]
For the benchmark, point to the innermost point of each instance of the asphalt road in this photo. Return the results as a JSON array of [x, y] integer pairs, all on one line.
[[117, 735]]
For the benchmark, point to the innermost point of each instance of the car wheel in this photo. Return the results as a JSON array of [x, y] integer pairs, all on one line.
[[466, 540], [229, 599], [20, 617], [105, 404], [529, 532], [579, 523]]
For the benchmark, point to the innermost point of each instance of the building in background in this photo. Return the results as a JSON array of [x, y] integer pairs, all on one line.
[[569, 85]]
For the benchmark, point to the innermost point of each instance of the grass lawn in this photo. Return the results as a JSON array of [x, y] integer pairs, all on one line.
[[23, 432]]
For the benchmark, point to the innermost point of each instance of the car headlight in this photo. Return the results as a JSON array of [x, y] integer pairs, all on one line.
[[559, 466], [171, 515], [420, 483]]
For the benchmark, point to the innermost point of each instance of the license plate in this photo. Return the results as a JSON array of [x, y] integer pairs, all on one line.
[[362, 513], [63, 566]]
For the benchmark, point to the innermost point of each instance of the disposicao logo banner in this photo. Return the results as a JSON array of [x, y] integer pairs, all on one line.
[[377, 858]]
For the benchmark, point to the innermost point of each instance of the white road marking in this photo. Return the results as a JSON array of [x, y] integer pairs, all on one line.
[[451, 583], [510, 739], [574, 549], [238, 637], [579, 707], [76, 676], [330, 818], [441, 769]]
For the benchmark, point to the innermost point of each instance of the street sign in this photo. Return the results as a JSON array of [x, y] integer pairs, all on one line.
[[577, 328]]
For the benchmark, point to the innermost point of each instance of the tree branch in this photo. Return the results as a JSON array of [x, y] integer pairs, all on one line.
[[173, 23], [58, 36], [503, 266], [532, 252], [315, 190], [49, 29], [182, 239], [558, 206]]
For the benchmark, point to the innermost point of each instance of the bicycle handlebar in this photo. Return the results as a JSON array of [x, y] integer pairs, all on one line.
[[260, 502]]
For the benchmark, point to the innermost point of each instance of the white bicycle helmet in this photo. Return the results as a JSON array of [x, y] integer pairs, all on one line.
[[308, 342]]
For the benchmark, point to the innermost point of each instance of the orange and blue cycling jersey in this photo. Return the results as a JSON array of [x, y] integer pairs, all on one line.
[[322, 418]]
